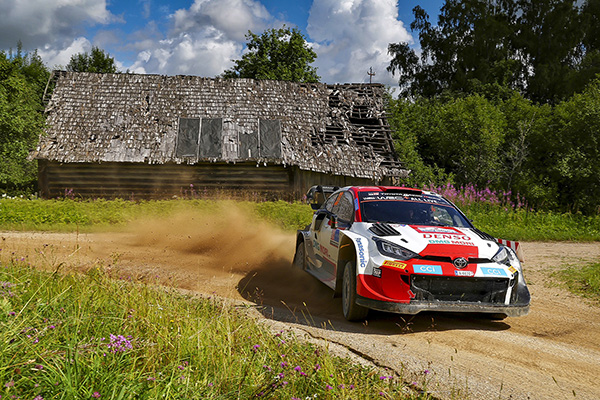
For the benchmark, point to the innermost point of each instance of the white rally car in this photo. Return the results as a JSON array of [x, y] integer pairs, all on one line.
[[406, 250]]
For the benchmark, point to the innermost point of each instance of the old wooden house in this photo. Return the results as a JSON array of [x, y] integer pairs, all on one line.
[[151, 136]]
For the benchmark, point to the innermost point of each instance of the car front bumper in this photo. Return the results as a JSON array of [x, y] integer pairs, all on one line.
[[415, 307]]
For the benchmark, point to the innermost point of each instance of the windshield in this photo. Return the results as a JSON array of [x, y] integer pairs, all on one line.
[[409, 209]]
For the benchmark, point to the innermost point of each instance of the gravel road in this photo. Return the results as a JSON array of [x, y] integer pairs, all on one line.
[[552, 353]]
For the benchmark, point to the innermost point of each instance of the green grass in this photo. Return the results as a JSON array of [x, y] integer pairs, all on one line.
[[525, 225], [67, 336], [70, 215], [583, 280]]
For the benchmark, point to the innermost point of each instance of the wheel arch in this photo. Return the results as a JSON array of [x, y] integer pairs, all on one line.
[[347, 252]]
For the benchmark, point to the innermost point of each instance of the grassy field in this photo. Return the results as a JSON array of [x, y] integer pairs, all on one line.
[[70, 215], [584, 280], [65, 336]]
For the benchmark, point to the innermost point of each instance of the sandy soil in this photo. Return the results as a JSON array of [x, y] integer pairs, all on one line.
[[552, 353]]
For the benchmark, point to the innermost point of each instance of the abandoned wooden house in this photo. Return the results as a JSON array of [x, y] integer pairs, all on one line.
[[151, 136]]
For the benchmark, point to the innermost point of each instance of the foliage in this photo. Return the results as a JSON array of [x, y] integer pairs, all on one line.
[[574, 158], [277, 54], [544, 48], [96, 61], [95, 336], [22, 81], [584, 280]]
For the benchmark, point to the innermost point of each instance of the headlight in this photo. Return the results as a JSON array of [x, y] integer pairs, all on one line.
[[501, 256], [393, 250], [507, 256]]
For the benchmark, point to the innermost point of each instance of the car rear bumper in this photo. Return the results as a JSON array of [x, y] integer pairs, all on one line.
[[415, 307]]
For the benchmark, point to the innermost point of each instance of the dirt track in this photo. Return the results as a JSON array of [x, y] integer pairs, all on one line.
[[553, 353]]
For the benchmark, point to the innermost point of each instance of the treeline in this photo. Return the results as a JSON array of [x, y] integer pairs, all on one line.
[[504, 94], [550, 155]]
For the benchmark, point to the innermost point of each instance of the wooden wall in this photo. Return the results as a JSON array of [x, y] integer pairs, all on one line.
[[159, 181]]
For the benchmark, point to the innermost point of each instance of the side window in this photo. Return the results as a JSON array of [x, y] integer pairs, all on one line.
[[331, 202], [344, 208]]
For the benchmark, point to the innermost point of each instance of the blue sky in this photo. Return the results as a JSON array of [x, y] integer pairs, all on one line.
[[201, 37]]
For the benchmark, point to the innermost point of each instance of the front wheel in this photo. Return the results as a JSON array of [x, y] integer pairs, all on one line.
[[351, 310], [300, 257]]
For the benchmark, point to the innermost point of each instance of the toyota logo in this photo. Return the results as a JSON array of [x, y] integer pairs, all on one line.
[[460, 262]]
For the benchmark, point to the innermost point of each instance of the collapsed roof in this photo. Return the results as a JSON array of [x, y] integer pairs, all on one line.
[[332, 129]]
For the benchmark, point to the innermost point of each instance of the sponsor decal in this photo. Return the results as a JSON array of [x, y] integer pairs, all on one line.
[[463, 273], [438, 229], [376, 272], [498, 272], [512, 269], [362, 261], [335, 238], [315, 244], [427, 269], [438, 241], [445, 236], [393, 264]]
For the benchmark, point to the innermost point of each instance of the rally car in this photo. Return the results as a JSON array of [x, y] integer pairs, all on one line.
[[407, 250]]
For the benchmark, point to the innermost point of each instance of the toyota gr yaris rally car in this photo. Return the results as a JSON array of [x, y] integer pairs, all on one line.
[[406, 250]]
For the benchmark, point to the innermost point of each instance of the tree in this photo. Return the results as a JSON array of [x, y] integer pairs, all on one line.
[[22, 81], [277, 54], [546, 49], [96, 61], [471, 45]]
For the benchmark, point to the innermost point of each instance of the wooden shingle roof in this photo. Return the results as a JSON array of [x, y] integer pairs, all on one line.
[[335, 129]]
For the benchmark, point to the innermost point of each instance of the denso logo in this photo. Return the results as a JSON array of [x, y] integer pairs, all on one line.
[[445, 236], [362, 262]]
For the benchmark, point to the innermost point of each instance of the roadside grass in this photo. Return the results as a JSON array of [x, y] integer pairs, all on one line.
[[89, 215], [524, 225], [85, 336], [584, 281]]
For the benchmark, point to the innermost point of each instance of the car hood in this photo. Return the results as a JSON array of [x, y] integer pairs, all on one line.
[[442, 241]]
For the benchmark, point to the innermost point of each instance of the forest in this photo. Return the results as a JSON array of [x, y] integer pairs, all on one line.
[[504, 95]]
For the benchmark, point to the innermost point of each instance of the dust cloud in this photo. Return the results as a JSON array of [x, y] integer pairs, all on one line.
[[224, 251]]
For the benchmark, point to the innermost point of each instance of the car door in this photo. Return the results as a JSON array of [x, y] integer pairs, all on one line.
[[341, 218], [320, 237]]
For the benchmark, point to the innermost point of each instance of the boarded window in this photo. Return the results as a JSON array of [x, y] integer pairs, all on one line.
[[248, 145], [270, 138], [187, 137], [211, 138]]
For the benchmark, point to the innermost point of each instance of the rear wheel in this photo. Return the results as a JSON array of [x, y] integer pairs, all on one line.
[[299, 257], [351, 310]]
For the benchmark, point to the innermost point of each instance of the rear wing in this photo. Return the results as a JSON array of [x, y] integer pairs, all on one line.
[[317, 195]]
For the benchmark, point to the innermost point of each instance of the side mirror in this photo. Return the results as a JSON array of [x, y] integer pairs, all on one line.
[[333, 221]]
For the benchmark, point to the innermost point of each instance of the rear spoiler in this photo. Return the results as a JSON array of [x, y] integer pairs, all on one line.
[[317, 195]]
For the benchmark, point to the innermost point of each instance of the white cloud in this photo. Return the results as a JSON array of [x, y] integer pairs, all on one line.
[[39, 23], [203, 39], [60, 57], [352, 36]]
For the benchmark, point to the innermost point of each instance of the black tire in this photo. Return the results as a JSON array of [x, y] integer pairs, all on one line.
[[300, 257], [351, 310]]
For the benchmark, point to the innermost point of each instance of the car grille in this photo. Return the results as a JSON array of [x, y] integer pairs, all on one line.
[[436, 288]]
